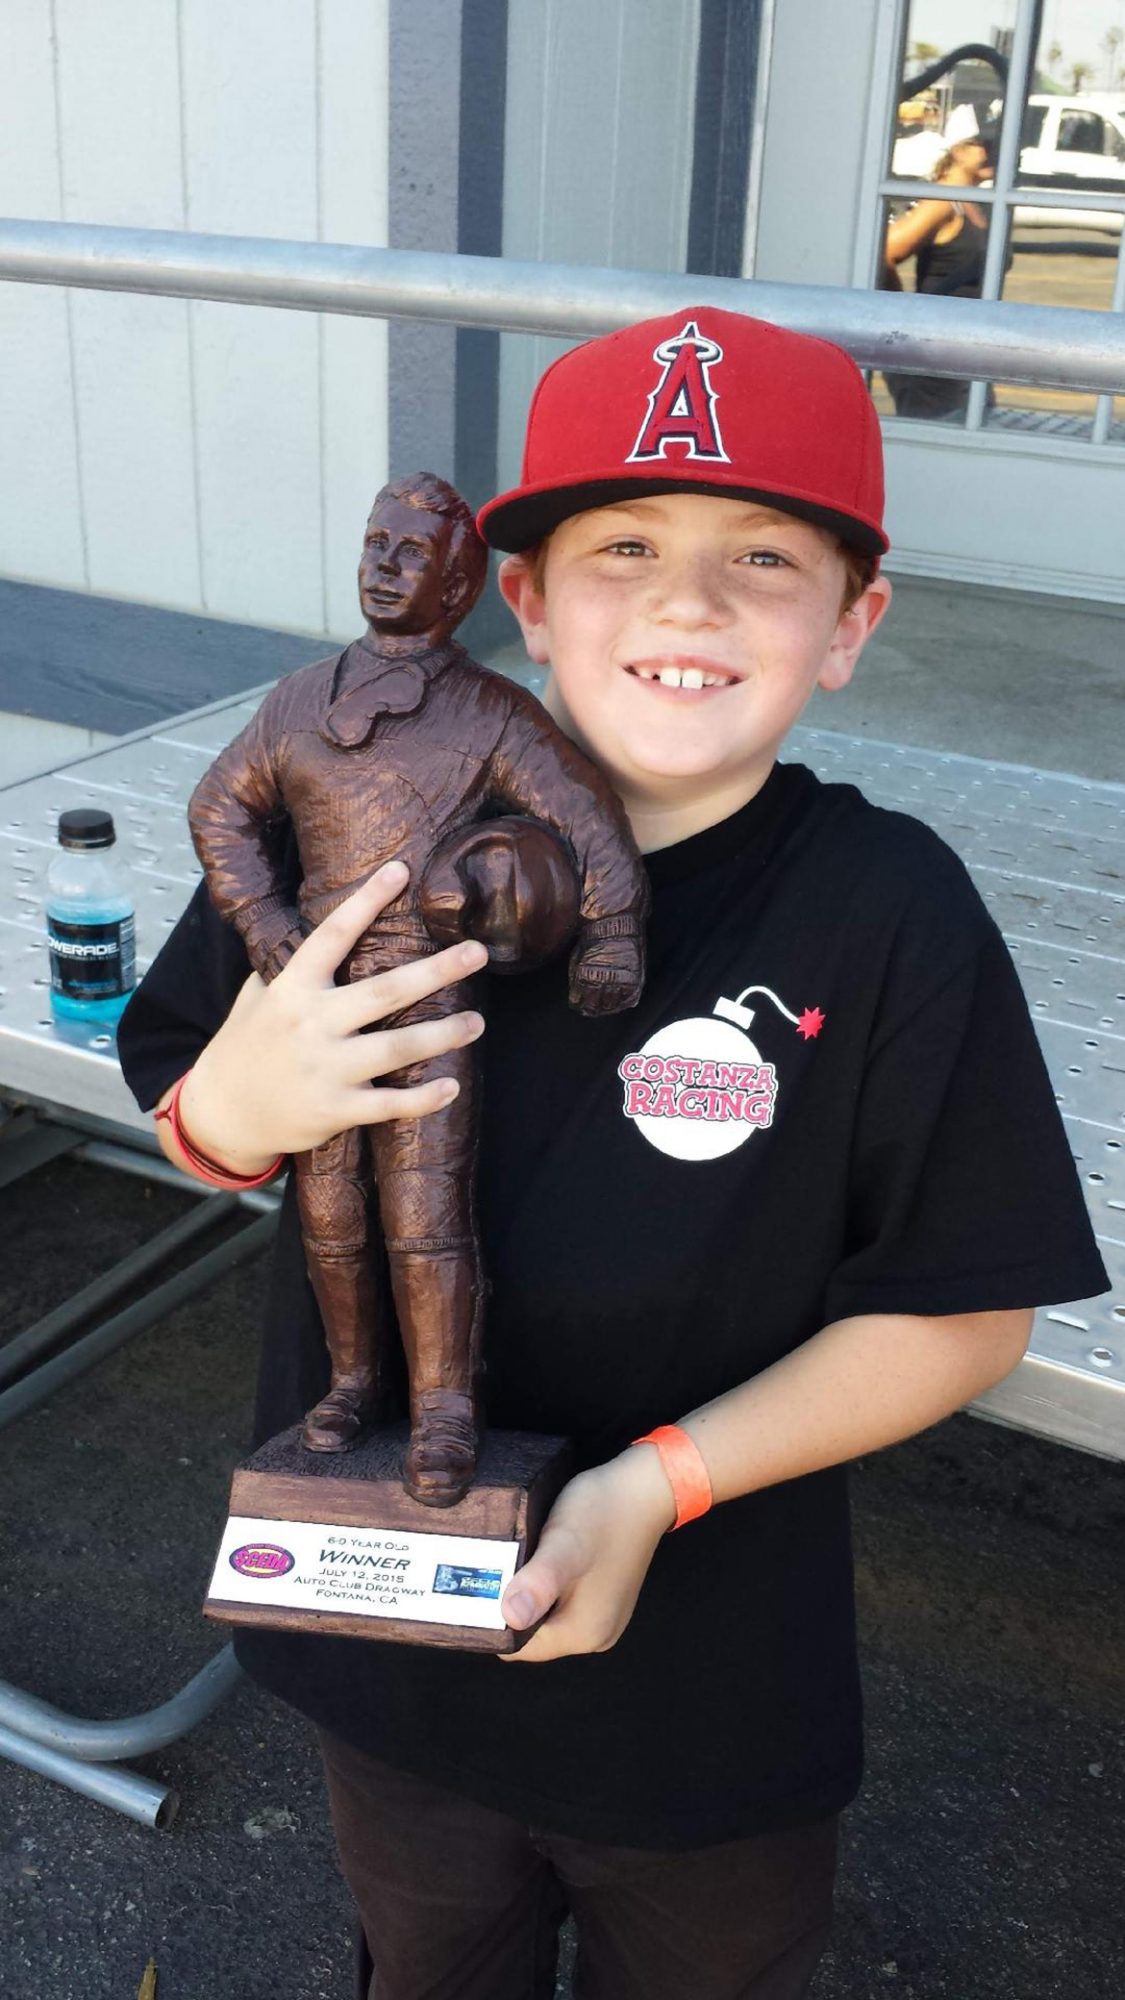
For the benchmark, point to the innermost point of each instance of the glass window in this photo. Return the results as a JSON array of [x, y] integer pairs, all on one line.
[[954, 75], [1050, 236], [1033, 124]]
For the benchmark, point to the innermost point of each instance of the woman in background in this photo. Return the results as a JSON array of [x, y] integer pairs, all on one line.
[[947, 239]]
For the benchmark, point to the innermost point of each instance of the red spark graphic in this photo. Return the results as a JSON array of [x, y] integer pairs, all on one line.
[[810, 1023]]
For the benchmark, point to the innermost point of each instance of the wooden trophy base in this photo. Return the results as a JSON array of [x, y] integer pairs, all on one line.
[[330, 1542]]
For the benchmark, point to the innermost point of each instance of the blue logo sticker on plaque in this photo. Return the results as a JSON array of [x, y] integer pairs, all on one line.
[[452, 1581]]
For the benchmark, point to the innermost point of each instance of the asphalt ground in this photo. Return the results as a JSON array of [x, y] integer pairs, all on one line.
[[983, 1860]]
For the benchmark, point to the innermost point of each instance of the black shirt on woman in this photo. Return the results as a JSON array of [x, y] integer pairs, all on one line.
[[954, 269]]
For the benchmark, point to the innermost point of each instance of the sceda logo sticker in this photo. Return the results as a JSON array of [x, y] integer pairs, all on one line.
[[699, 1088], [261, 1559]]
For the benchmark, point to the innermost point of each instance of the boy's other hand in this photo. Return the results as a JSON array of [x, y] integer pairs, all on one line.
[[296, 1061], [593, 1555]]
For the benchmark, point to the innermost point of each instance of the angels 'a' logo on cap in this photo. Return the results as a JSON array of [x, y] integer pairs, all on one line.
[[681, 408]]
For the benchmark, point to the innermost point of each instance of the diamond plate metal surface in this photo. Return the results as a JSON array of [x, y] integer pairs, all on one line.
[[1047, 852]]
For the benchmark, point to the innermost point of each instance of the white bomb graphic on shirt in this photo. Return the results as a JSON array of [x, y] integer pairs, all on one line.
[[699, 1088]]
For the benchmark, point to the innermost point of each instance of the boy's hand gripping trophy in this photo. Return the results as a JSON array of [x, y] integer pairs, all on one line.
[[403, 748]]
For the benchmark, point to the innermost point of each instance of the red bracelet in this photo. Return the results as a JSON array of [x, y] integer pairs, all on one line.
[[209, 1170], [685, 1469]]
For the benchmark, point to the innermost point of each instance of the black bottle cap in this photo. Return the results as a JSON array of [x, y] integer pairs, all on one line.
[[86, 826]]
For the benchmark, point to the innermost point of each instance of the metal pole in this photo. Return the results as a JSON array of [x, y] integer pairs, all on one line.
[[21, 1152], [1054, 346], [1103, 414], [35, 1341], [1007, 166], [53, 1375], [154, 1167], [126, 1791], [133, 1735]]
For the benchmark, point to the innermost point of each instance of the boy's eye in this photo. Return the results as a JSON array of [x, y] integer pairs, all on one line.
[[765, 559], [627, 545]]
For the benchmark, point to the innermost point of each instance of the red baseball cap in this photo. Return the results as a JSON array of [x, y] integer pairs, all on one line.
[[705, 400]]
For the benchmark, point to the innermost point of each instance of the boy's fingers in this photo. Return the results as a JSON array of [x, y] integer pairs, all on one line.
[[367, 1001], [418, 1100], [538, 1586], [326, 947], [392, 1049]]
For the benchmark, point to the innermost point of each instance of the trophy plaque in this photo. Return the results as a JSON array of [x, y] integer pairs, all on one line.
[[333, 1543]]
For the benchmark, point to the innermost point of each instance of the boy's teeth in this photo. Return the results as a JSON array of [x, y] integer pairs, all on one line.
[[687, 677]]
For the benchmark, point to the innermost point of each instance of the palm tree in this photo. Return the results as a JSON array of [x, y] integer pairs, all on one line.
[[1111, 42], [1079, 71], [1054, 56]]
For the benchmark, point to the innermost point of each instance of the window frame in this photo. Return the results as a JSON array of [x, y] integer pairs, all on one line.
[[879, 185]]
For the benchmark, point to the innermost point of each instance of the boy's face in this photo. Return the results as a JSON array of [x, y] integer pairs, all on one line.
[[685, 633]]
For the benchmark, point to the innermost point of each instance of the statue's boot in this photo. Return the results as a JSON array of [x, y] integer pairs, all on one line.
[[347, 1295], [438, 1301], [332, 1197]]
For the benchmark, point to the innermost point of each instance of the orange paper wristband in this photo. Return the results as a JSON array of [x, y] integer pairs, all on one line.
[[210, 1170], [685, 1469]]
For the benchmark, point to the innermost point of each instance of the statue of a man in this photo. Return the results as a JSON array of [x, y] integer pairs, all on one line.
[[381, 753]]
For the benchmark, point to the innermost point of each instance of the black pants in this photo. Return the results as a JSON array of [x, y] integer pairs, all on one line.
[[461, 1903]]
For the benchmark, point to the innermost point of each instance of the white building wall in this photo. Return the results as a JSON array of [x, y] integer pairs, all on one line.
[[205, 457], [597, 159], [820, 82]]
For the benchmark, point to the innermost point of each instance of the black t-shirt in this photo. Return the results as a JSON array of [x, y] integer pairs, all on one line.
[[830, 1101]]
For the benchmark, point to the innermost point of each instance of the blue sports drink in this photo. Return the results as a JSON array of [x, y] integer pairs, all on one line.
[[90, 924]]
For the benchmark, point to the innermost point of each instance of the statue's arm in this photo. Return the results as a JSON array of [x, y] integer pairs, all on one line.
[[238, 823], [537, 770]]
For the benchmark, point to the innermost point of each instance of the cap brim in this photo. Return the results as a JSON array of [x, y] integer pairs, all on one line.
[[516, 521]]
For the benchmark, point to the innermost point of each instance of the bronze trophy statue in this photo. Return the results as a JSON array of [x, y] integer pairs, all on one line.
[[402, 747]]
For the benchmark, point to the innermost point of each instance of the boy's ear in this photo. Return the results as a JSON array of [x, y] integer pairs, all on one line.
[[852, 633], [522, 595]]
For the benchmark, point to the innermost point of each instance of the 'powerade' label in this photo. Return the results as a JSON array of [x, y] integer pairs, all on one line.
[[94, 961]]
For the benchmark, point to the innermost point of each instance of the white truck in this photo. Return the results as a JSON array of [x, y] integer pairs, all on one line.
[[1074, 144]]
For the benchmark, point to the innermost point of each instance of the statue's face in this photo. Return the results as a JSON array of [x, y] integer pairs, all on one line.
[[402, 569]]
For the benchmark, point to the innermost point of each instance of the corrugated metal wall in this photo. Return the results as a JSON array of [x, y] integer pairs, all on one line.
[[598, 152], [208, 457]]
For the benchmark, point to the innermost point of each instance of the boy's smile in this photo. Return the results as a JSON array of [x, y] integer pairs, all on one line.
[[685, 634]]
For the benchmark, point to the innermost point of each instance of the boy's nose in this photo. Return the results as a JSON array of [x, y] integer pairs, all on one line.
[[690, 593]]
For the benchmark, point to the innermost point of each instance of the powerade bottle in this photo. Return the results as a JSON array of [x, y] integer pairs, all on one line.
[[90, 926]]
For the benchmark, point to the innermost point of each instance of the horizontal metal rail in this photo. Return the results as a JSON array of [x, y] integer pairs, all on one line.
[[28, 1348], [142, 1799], [129, 1735], [70, 1749], [50, 1376], [1053, 346]]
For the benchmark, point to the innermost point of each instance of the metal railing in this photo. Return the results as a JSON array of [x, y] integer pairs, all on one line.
[[1052, 346]]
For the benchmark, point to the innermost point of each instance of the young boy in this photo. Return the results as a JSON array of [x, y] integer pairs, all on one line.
[[800, 1204]]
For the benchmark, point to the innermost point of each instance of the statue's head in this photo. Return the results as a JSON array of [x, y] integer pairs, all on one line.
[[423, 563]]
